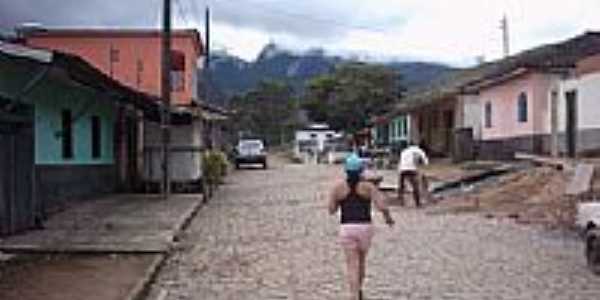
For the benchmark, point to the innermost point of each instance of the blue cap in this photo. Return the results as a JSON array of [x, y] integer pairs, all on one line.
[[353, 163]]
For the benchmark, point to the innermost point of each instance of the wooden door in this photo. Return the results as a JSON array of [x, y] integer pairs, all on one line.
[[18, 210], [132, 152], [571, 130], [449, 128]]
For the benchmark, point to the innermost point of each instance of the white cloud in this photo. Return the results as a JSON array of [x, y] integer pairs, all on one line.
[[453, 31], [436, 30]]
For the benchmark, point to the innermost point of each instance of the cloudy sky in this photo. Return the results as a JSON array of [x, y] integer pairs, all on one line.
[[449, 31]]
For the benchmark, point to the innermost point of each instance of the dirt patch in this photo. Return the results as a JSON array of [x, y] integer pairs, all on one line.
[[72, 277], [528, 196]]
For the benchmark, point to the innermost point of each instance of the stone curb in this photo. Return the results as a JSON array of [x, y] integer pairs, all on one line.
[[186, 219], [142, 288]]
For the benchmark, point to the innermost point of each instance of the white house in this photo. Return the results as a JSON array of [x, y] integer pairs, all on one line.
[[314, 139], [577, 121]]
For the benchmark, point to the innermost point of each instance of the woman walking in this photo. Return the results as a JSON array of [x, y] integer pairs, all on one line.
[[353, 198]]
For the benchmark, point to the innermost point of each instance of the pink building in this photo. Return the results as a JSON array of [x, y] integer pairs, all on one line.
[[515, 111], [537, 101], [132, 56], [534, 104]]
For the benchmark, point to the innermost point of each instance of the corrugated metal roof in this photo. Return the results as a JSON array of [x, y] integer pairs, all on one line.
[[43, 56], [84, 73]]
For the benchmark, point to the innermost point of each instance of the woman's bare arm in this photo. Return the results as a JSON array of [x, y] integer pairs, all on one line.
[[378, 199], [333, 201]]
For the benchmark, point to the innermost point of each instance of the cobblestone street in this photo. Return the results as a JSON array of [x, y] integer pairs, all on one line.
[[267, 235]]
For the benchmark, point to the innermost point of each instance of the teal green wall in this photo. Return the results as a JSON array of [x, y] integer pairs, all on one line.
[[49, 99]]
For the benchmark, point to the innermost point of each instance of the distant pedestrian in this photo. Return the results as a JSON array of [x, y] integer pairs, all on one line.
[[353, 198], [410, 158]]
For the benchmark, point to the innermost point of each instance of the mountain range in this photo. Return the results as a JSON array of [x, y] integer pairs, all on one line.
[[230, 75]]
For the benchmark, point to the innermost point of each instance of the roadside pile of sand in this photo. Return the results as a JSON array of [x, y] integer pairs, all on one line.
[[534, 195]]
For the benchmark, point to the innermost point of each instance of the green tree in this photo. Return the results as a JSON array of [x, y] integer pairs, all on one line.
[[268, 111], [350, 95]]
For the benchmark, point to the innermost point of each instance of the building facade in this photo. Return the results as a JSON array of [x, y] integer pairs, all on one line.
[[58, 119], [515, 114], [576, 124], [133, 57], [539, 101], [314, 139]]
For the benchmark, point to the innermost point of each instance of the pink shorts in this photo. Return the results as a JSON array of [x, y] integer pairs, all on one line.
[[356, 236]]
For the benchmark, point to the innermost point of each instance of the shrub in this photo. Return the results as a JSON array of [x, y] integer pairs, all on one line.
[[214, 167]]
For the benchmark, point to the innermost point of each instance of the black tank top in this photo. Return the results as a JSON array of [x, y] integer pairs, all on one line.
[[355, 208]]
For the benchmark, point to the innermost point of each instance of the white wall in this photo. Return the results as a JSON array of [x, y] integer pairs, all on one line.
[[319, 135], [185, 165], [588, 101], [471, 116]]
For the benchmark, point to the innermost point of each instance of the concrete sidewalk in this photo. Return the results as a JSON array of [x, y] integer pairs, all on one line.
[[113, 224]]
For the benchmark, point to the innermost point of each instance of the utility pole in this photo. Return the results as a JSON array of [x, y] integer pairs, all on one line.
[[208, 136], [505, 36], [207, 54], [165, 120]]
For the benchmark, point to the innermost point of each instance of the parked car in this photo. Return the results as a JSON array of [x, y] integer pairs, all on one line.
[[588, 221], [250, 151]]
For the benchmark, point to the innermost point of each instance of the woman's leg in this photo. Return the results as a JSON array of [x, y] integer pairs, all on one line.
[[365, 244], [353, 269], [362, 262]]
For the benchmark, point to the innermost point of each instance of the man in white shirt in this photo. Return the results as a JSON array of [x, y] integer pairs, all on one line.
[[410, 158]]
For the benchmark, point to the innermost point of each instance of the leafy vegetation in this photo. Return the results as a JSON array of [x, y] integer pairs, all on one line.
[[214, 167], [350, 95], [270, 112]]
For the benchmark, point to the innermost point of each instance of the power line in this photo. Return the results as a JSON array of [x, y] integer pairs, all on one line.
[[270, 12], [302, 16], [277, 13], [182, 12], [157, 19], [194, 10]]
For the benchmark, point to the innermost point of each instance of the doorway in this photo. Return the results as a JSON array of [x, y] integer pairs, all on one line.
[[449, 130], [571, 122], [18, 209]]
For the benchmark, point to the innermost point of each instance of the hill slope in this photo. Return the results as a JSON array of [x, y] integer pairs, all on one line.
[[231, 75]]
